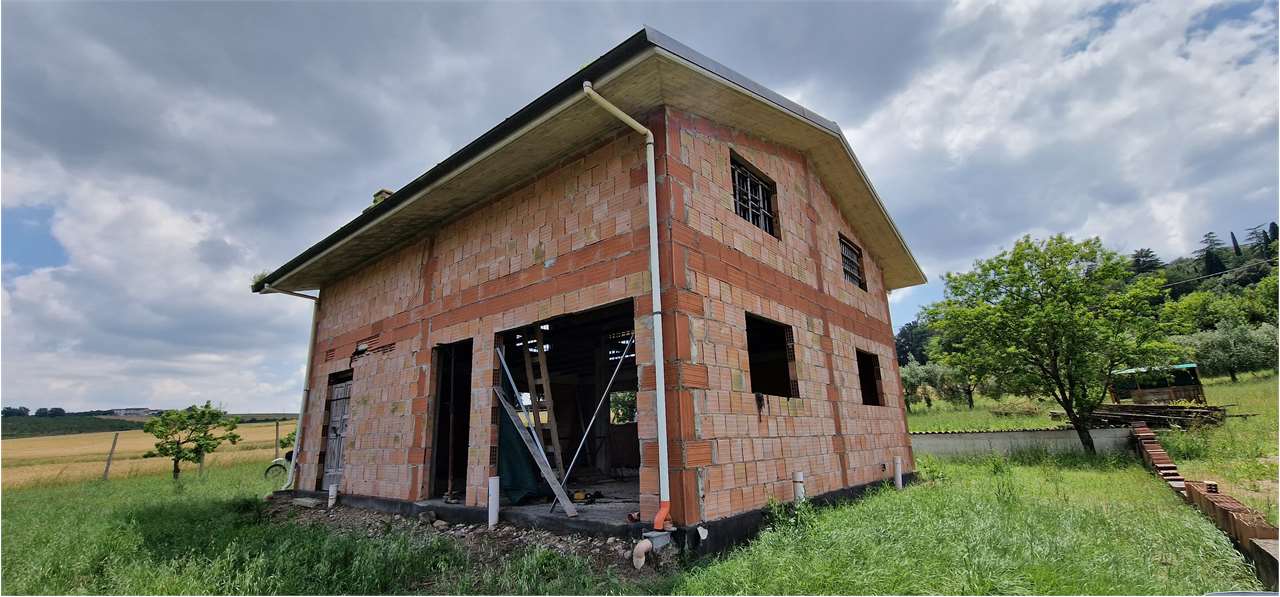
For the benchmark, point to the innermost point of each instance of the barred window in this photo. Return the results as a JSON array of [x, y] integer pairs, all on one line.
[[851, 260], [753, 197]]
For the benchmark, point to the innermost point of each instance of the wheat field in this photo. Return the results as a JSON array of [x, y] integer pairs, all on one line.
[[60, 458]]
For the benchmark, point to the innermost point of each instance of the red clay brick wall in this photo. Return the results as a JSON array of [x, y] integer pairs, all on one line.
[[731, 456], [371, 306], [577, 238], [573, 239]]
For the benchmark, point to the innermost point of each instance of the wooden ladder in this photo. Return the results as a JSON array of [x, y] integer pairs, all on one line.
[[542, 402]]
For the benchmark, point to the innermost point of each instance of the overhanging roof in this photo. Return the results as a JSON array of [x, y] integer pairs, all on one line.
[[644, 72]]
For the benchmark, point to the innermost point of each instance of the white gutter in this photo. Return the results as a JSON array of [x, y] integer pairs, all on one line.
[[306, 383], [655, 288]]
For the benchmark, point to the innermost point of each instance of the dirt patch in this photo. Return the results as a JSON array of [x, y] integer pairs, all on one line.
[[484, 546]]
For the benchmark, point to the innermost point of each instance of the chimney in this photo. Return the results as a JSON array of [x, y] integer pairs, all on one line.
[[378, 197]]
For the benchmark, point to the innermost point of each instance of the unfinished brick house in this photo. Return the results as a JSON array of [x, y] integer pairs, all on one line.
[[520, 267]]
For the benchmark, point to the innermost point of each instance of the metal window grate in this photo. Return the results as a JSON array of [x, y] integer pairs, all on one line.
[[753, 198], [851, 261]]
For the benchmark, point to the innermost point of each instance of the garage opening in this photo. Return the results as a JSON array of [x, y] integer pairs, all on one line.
[[575, 378], [453, 421]]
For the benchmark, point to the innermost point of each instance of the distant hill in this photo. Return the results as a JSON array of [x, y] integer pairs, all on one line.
[[15, 427]]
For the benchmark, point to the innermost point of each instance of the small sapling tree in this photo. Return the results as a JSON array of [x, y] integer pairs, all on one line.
[[188, 434], [1053, 318]]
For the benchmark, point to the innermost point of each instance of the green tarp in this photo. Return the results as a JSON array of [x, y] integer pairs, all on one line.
[[519, 478]]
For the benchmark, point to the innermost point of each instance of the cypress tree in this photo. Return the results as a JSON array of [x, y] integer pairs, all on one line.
[[1235, 245]]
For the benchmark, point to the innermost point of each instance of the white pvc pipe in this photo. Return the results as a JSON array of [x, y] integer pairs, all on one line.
[[306, 390], [897, 472], [655, 290], [797, 485], [494, 488]]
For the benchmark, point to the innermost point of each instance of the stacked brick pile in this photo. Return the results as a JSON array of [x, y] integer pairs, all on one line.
[[1255, 537], [1156, 458]]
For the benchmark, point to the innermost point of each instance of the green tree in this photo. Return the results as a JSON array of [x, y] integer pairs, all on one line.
[[959, 376], [1232, 348], [288, 440], [1054, 318], [1201, 310], [1144, 261], [916, 378], [1262, 300], [15, 411], [1258, 239], [42, 412], [187, 435], [1211, 262], [1235, 245], [911, 340]]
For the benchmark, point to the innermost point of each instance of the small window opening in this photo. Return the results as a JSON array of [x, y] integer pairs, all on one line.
[[771, 357], [851, 261], [869, 379], [753, 196]]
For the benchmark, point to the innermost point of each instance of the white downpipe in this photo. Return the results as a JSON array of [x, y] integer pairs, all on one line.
[[655, 287], [306, 386]]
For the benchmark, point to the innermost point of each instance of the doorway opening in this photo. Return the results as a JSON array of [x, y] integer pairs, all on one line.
[[579, 369], [336, 416], [453, 421]]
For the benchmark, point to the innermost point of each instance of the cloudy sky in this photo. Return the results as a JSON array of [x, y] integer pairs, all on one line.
[[156, 156]]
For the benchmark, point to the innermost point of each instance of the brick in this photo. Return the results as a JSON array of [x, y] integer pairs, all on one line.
[[577, 237]]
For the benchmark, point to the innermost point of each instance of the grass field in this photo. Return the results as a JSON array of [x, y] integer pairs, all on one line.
[[945, 416], [63, 458], [1037, 526], [1241, 454], [144, 536], [15, 427]]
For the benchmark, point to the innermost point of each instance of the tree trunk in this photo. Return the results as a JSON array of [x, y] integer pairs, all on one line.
[[1082, 430], [1086, 440], [968, 393], [175, 469], [1232, 373]]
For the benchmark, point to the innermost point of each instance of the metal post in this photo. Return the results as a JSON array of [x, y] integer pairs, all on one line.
[[595, 413], [110, 454]]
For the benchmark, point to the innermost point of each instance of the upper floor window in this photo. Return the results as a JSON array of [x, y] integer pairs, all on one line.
[[851, 261], [753, 196]]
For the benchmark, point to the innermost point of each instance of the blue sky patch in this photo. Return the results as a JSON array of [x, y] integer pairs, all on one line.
[[26, 241]]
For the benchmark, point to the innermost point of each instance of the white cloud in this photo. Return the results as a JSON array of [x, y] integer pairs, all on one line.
[[137, 316], [1034, 118]]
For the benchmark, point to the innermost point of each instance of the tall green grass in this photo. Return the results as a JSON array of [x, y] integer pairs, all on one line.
[[1241, 453], [984, 416], [1037, 525], [144, 536]]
